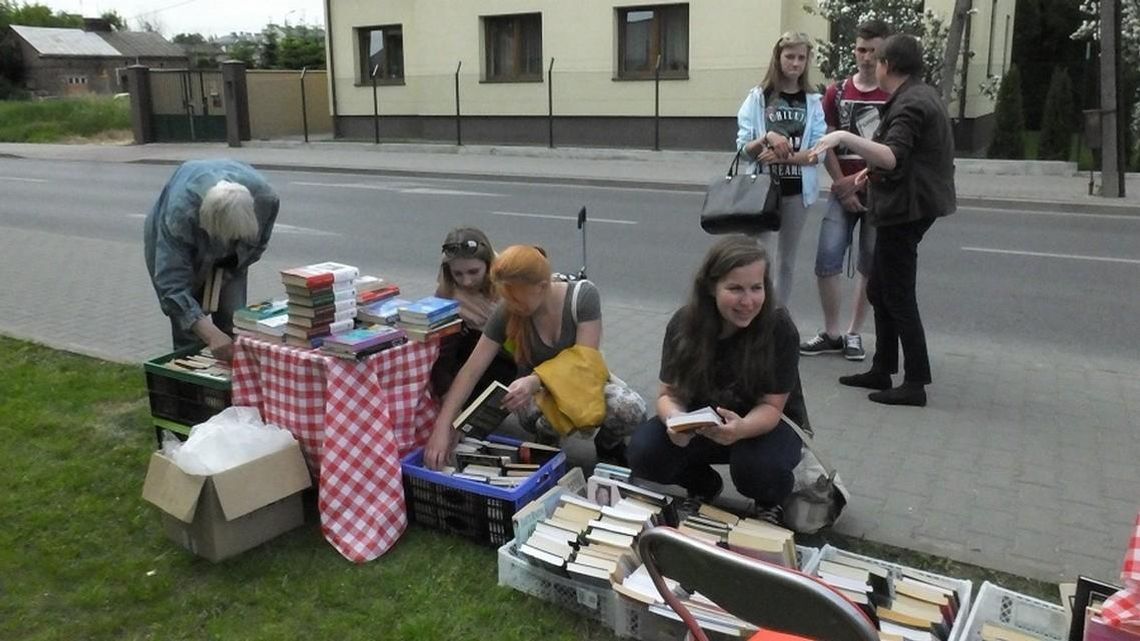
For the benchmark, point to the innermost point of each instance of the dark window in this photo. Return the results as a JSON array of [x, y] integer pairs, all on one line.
[[513, 46], [644, 33], [381, 49]]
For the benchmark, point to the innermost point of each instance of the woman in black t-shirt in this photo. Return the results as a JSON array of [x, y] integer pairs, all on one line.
[[733, 349]]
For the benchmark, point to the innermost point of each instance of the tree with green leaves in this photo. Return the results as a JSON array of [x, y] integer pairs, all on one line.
[[1009, 119], [188, 39], [115, 19], [245, 51], [35, 15], [1058, 119], [269, 47], [904, 16], [301, 47]]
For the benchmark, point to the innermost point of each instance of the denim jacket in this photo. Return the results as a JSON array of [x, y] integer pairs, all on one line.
[[751, 125], [179, 254]]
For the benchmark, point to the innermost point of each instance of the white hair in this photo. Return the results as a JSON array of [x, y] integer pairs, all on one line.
[[227, 213]]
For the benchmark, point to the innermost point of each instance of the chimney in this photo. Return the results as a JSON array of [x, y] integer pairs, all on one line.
[[96, 25]]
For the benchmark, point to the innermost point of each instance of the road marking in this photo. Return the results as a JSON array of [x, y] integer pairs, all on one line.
[[402, 189], [1104, 259], [279, 227], [293, 229], [23, 180], [520, 214], [1053, 213]]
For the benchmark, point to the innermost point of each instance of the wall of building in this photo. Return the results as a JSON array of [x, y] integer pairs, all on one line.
[[729, 45], [991, 44]]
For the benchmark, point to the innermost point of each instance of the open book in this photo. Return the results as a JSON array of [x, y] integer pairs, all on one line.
[[485, 413], [704, 417]]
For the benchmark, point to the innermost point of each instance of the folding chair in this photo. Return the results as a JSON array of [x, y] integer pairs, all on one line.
[[766, 595]]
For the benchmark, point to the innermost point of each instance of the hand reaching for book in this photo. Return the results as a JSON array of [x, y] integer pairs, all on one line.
[[520, 392], [220, 345], [438, 448]]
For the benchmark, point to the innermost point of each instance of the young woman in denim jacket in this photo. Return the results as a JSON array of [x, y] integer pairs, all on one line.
[[777, 125]]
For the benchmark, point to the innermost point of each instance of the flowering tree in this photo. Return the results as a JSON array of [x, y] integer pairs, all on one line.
[[904, 16]]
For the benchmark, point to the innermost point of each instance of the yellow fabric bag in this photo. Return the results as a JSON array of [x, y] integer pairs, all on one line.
[[574, 389]]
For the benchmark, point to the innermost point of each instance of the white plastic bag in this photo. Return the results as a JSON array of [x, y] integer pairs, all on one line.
[[230, 438]]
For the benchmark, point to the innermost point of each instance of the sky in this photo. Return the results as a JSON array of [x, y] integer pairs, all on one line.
[[208, 17]]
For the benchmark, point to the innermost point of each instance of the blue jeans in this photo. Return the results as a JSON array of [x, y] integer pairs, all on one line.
[[836, 234], [761, 467]]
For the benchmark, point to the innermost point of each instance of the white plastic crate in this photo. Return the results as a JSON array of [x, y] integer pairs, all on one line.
[[963, 587], [995, 604], [633, 620], [597, 602]]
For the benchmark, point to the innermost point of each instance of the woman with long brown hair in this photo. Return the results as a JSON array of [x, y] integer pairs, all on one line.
[[735, 349], [535, 321], [778, 123]]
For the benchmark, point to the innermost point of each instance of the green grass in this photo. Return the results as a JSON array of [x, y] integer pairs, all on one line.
[[58, 120], [83, 557]]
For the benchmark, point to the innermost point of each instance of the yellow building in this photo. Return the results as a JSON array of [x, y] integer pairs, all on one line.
[[582, 72]]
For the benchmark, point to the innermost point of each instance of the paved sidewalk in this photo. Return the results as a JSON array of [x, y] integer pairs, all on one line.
[[1025, 461]]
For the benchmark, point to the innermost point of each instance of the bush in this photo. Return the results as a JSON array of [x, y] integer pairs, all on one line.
[[1009, 119], [1057, 119]]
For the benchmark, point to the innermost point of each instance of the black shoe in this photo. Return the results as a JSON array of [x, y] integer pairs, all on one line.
[[869, 380], [821, 343], [905, 394], [614, 455], [703, 483]]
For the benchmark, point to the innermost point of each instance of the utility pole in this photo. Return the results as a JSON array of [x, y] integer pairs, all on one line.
[[1111, 102]]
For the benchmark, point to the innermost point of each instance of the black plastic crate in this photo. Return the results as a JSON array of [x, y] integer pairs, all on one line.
[[473, 510], [184, 397]]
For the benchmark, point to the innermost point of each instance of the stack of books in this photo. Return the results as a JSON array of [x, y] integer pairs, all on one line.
[[498, 464], [906, 608], [750, 537], [355, 344], [264, 321], [373, 289], [384, 312], [322, 301], [201, 364], [430, 317]]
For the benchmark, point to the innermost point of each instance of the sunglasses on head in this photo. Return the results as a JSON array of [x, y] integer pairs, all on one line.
[[462, 249]]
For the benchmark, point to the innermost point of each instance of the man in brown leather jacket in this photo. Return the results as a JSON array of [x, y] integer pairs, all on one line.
[[911, 173]]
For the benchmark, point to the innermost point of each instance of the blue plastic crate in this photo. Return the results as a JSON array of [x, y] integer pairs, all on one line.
[[477, 511]]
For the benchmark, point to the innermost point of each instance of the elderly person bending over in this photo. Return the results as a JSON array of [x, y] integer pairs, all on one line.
[[212, 214]]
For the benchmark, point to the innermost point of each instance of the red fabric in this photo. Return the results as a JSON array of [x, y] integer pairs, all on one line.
[[1123, 608], [771, 635], [354, 420], [831, 104]]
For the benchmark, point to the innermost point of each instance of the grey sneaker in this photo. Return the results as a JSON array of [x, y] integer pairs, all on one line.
[[853, 347], [821, 343]]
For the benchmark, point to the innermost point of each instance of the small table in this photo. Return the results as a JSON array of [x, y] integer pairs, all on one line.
[[355, 420]]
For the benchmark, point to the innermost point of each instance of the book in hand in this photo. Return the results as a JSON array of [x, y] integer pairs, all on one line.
[[694, 420], [485, 413]]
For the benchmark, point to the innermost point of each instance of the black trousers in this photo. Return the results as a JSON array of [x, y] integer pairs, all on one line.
[[892, 292], [761, 467]]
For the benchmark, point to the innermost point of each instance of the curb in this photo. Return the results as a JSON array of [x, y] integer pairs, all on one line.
[[983, 202]]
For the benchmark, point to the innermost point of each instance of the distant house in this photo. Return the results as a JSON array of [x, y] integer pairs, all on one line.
[[63, 62]]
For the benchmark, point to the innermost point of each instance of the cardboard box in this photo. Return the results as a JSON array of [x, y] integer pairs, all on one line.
[[224, 514]]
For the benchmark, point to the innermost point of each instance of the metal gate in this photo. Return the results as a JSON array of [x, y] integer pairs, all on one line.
[[187, 105]]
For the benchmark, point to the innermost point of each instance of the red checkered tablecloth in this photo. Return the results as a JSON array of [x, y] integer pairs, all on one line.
[[354, 420], [1123, 608]]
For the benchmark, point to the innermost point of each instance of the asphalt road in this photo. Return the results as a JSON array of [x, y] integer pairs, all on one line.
[[1052, 283]]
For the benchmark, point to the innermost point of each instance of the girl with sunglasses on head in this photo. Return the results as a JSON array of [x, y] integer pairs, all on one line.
[[777, 126], [537, 320], [465, 276]]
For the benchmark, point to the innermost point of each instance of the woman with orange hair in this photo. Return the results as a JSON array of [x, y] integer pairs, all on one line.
[[535, 321]]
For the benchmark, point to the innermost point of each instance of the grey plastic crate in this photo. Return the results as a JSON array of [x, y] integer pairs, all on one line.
[[995, 604]]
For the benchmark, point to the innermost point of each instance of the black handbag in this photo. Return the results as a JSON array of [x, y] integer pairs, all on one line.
[[741, 203]]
